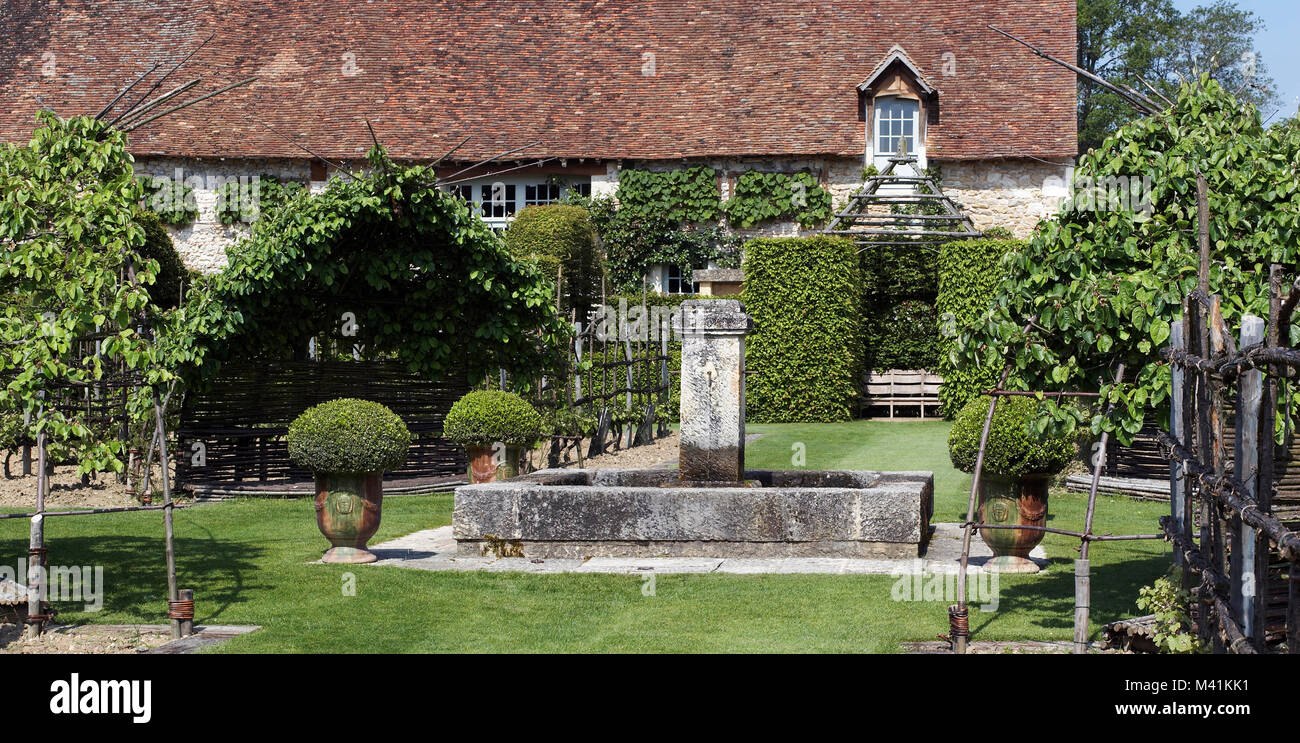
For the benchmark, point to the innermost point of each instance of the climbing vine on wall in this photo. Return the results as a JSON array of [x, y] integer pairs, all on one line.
[[767, 197], [685, 195], [245, 201], [171, 200], [634, 241]]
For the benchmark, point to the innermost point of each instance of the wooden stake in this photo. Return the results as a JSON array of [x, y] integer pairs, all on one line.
[[1082, 566], [36, 579], [167, 510]]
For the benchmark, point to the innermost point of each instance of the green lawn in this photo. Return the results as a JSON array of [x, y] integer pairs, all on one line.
[[247, 562]]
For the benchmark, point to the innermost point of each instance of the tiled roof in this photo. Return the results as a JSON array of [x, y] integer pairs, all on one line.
[[759, 77]]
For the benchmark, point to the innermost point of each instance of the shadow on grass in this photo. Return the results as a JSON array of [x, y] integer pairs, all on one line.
[[1051, 597], [135, 573]]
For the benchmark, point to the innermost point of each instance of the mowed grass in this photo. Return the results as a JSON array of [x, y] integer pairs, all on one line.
[[248, 562]]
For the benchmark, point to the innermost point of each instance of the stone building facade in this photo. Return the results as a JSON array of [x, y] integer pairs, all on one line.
[[566, 95]]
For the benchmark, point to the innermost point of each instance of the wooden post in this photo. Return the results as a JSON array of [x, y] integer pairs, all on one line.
[[1293, 608], [1082, 566], [1082, 598], [167, 511], [1177, 478], [959, 642], [1217, 335], [1191, 385], [36, 579], [1246, 586], [577, 353], [187, 625]]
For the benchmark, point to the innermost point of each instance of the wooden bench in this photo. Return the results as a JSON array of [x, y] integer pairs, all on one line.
[[903, 388]]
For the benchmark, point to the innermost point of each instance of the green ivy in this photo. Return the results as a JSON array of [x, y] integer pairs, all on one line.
[[171, 200], [245, 201], [634, 241], [1103, 286], [805, 297], [766, 197], [685, 195], [969, 276]]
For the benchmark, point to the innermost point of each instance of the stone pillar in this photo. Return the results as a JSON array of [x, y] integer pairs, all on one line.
[[713, 390]]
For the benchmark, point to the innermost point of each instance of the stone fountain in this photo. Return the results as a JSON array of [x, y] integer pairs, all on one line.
[[711, 506]]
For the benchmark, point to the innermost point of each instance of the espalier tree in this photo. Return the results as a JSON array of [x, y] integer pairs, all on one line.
[[1102, 283], [70, 242], [426, 281]]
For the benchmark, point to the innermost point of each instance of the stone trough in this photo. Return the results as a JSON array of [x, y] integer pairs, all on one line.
[[710, 507]]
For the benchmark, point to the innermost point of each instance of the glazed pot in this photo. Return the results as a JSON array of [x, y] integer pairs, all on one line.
[[1013, 502], [348, 509], [487, 465]]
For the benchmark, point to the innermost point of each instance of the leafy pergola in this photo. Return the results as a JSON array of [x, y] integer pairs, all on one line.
[[1101, 284], [421, 278]]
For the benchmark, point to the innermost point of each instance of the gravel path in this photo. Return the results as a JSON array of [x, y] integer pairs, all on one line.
[[79, 640]]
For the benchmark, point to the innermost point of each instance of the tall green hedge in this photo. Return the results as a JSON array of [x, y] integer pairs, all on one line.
[[172, 277], [805, 295], [899, 325], [555, 236], [969, 275]]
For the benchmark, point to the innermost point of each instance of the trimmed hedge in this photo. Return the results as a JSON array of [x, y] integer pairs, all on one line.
[[348, 435], [899, 323], [559, 235], [485, 417], [805, 295], [969, 275], [172, 276], [1013, 449]]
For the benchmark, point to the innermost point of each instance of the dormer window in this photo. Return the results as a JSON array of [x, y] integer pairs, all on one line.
[[896, 101], [896, 125]]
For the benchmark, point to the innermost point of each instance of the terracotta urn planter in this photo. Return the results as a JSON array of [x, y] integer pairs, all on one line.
[[1013, 502], [486, 465], [348, 509]]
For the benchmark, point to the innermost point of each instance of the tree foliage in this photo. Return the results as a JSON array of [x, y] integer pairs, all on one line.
[[1104, 281], [245, 201], [70, 241], [424, 280], [562, 240], [1129, 41]]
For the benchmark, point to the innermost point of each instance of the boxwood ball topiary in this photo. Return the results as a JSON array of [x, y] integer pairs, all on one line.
[[487, 416], [1013, 450], [348, 435]]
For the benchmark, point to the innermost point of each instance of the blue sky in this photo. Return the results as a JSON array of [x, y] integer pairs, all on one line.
[[1278, 45]]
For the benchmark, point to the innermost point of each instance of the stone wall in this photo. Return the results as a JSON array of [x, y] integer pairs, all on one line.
[[202, 244], [1014, 194]]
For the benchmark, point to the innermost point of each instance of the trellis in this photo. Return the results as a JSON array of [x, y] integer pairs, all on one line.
[[1235, 539], [895, 209], [608, 370]]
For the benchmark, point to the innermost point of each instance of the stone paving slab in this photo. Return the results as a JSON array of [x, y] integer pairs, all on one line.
[[435, 549]]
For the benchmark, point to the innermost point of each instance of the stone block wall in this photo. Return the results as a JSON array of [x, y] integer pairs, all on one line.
[[1014, 194]]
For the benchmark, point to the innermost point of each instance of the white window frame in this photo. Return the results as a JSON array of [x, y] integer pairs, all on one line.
[[500, 217], [916, 146]]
